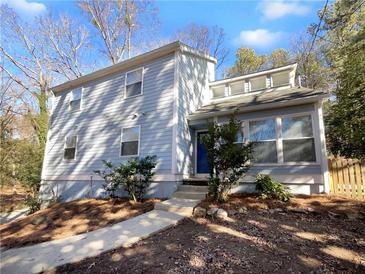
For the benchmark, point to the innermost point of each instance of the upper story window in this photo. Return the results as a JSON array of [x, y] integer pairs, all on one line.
[[237, 87], [218, 91], [258, 83], [75, 100], [130, 141], [280, 79], [69, 152], [133, 83], [298, 140], [262, 134]]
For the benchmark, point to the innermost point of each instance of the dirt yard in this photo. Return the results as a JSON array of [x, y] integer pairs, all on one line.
[[71, 218], [12, 198], [257, 240]]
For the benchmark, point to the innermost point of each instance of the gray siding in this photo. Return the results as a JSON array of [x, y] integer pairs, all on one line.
[[104, 112], [193, 88]]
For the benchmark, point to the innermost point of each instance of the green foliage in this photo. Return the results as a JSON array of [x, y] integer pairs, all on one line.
[[33, 203], [134, 176], [344, 32], [228, 160], [271, 189], [247, 61]]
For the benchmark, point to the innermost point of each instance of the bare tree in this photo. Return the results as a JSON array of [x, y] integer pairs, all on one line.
[[312, 64], [68, 45], [27, 63], [118, 23], [206, 39]]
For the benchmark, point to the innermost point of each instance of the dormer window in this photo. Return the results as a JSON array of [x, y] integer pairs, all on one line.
[[237, 87], [258, 83], [133, 83], [75, 101], [280, 79], [218, 91]]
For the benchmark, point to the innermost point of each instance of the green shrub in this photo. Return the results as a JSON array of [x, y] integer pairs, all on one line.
[[228, 159], [271, 189], [134, 176], [33, 203]]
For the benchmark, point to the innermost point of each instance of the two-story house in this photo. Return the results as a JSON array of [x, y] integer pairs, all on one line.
[[158, 103]]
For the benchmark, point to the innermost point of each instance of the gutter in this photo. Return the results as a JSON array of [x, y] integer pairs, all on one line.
[[292, 102]]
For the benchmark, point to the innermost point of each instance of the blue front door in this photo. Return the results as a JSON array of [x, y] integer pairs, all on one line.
[[202, 156]]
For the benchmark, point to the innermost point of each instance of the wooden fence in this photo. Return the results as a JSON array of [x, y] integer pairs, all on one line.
[[347, 177]]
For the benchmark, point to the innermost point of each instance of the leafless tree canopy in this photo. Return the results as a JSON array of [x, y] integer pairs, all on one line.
[[118, 24], [208, 40]]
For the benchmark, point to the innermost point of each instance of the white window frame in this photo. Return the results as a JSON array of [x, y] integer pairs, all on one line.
[[282, 85], [121, 141], [69, 102], [313, 137], [279, 139], [260, 89], [247, 123], [125, 83], [64, 147]]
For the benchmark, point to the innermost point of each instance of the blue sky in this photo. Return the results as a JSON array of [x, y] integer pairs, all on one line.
[[263, 25]]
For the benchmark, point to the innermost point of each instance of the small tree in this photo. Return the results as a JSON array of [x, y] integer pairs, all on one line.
[[228, 159], [134, 176]]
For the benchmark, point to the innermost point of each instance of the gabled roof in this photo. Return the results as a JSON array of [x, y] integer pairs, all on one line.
[[134, 61], [262, 100]]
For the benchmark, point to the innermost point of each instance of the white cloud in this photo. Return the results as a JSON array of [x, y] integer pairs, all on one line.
[[276, 9], [24, 7], [259, 38]]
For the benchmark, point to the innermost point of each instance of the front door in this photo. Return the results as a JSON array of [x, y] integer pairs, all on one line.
[[202, 156]]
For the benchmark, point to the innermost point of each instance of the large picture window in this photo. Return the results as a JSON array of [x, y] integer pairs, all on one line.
[[133, 83], [69, 152], [263, 137], [298, 140], [75, 101], [130, 141]]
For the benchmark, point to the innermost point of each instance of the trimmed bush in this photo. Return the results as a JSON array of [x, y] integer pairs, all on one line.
[[271, 189], [134, 176]]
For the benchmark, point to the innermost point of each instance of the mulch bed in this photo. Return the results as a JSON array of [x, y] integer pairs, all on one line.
[[66, 219], [256, 241], [12, 197]]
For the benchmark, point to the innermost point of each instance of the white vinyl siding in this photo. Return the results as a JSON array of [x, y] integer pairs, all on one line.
[[130, 139], [69, 151], [103, 116], [133, 83], [75, 100]]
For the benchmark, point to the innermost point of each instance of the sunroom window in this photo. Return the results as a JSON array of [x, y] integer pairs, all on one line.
[[258, 83], [237, 87], [130, 141], [75, 101], [280, 79], [69, 152], [218, 91], [298, 140], [263, 138], [133, 82]]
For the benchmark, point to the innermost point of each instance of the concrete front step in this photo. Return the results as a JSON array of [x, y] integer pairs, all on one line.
[[190, 195], [192, 188], [179, 206]]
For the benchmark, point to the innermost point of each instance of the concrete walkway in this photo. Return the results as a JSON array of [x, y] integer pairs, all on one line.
[[10, 216], [43, 256]]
